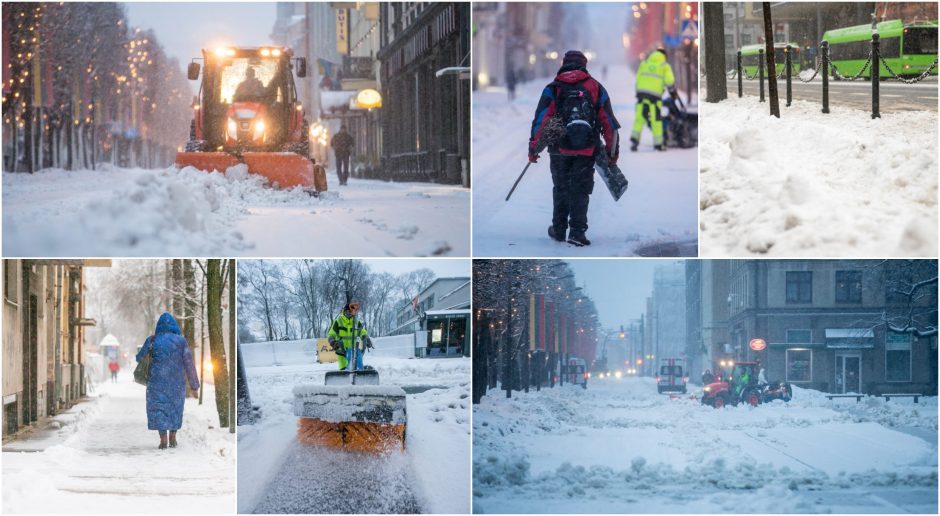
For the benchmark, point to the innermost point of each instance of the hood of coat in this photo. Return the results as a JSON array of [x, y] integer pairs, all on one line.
[[167, 324], [572, 76], [656, 58]]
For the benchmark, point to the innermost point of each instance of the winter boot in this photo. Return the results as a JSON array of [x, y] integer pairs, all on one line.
[[556, 236], [173, 439], [659, 147], [634, 144], [162, 440], [578, 239]]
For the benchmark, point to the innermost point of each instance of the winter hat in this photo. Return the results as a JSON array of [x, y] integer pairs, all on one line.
[[574, 57]]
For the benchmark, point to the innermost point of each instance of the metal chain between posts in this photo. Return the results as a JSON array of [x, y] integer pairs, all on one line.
[[917, 79], [815, 72], [837, 75]]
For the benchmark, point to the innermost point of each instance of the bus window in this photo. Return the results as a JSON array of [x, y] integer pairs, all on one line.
[[920, 41]]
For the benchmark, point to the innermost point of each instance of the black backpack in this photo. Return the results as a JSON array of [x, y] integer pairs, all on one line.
[[578, 116]]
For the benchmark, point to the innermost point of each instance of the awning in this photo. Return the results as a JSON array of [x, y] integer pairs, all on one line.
[[447, 312], [850, 338], [849, 333]]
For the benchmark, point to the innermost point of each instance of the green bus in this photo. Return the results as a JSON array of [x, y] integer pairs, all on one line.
[[908, 48], [749, 56]]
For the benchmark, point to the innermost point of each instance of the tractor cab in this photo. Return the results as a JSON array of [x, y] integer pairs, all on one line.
[[247, 99], [248, 112]]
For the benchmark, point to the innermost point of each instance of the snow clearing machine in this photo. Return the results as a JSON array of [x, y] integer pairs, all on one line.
[[248, 112], [744, 385], [351, 411]]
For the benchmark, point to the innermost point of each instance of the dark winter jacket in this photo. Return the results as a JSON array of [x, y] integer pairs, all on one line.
[[606, 120], [171, 366], [343, 144]]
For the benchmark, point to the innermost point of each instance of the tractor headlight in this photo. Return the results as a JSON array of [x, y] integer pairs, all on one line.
[[232, 129], [259, 129]]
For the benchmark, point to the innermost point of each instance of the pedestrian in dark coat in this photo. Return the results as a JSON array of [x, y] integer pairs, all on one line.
[[170, 367], [343, 144], [572, 158]]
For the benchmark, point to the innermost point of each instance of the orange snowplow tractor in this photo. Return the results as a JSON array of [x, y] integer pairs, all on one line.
[[206, 161], [285, 169], [352, 436]]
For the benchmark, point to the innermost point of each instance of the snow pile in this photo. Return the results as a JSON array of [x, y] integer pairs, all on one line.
[[809, 184], [186, 212], [658, 210], [432, 475], [620, 447]]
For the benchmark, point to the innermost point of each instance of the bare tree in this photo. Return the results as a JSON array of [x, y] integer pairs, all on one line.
[[214, 287], [715, 66], [771, 66]]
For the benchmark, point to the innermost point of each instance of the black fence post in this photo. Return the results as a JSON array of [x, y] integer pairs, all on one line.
[[527, 372], [508, 365], [760, 72], [740, 78], [875, 75], [789, 74], [824, 49]]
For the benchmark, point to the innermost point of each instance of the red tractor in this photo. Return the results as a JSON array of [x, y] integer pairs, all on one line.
[[248, 112], [743, 386]]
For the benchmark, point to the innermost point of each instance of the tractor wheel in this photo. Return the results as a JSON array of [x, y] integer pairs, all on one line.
[[720, 400], [752, 398], [196, 146]]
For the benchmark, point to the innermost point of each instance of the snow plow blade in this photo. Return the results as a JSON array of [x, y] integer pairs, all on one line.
[[206, 161], [362, 418], [283, 169]]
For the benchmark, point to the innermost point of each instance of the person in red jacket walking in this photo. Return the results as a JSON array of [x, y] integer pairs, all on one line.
[[582, 106], [114, 367]]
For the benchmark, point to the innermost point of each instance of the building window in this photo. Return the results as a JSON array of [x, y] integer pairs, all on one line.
[[897, 357], [9, 280], [799, 336], [799, 365], [848, 286], [799, 287]]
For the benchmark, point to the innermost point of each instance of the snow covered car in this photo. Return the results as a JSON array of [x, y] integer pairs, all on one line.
[[670, 377]]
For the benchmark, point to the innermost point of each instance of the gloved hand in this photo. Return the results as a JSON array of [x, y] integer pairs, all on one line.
[[533, 157], [368, 342], [673, 93]]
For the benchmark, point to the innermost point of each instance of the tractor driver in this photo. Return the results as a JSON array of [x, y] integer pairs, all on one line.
[[250, 88], [347, 330], [743, 379]]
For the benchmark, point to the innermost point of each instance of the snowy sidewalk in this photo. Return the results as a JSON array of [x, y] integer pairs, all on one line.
[[621, 447], [136, 212], [108, 462], [276, 474], [658, 208], [809, 184]]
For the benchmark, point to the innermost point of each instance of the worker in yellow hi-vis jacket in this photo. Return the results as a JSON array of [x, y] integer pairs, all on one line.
[[653, 76]]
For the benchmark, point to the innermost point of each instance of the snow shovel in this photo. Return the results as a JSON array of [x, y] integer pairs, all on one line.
[[351, 411], [610, 174]]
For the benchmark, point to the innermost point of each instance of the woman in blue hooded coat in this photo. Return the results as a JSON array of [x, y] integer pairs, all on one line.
[[171, 365]]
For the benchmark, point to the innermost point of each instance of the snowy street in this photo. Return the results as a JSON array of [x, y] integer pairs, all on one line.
[[98, 457], [621, 447], [276, 474], [809, 184], [135, 212], [657, 210], [855, 95]]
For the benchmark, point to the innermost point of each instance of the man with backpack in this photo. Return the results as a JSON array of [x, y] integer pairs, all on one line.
[[653, 76], [582, 107]]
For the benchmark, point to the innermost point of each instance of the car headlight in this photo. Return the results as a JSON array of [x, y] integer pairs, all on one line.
[[232, 129], [618, 374], [708, 389]]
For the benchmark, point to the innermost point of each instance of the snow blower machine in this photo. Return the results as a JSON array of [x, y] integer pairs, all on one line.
[[248, 112], [351, 411]]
